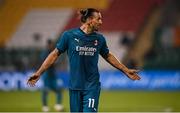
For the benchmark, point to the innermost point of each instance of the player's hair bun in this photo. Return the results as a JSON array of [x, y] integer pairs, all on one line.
[[84, 12]]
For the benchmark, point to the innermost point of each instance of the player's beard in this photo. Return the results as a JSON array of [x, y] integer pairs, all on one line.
[[96, 27]]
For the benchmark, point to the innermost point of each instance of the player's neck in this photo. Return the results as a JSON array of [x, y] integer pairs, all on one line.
[[86, 29]]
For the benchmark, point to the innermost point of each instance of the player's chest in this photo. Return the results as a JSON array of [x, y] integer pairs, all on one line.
[[86, 46]]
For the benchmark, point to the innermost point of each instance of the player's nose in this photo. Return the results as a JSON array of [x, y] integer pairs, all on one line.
[[100, 22]]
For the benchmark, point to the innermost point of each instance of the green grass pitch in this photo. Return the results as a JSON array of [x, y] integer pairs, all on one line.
[[116, 101]]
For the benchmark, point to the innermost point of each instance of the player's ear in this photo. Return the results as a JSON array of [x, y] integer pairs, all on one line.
[[89, 20]]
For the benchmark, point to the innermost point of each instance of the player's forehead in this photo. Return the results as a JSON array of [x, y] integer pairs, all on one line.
[[97, 15]]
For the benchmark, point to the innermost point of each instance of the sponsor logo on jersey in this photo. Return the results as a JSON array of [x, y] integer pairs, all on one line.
[[87, 51], [95, 42]]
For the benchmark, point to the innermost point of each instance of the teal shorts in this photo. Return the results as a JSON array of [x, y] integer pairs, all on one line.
[[84, 100]]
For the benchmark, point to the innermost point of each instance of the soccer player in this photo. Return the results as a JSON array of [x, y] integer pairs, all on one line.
[[83, 46], [50, 81]]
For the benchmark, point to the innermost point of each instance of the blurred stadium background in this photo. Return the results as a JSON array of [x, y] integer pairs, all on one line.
[[143, 34]]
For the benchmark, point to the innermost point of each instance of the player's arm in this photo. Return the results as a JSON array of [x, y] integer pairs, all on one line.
[[52, 57], [130, 73]]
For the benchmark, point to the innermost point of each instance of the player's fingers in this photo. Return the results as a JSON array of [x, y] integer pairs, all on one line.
[[137, 77], [135, 71], [132, 77], [31, 83], [28, 81]]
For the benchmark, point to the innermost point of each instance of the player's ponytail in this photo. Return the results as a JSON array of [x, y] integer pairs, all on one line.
[[86, 13]]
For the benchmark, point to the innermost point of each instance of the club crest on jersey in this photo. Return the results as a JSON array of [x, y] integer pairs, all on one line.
[[95, 42]]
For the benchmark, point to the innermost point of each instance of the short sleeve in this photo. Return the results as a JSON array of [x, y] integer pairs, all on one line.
[[104, 48], [62, 43]]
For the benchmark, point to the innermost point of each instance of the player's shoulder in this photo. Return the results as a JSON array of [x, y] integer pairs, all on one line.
[[100, 36], [71, 31]]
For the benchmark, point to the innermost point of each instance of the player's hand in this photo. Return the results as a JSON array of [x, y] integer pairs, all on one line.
[[133, 74], [33, 79]]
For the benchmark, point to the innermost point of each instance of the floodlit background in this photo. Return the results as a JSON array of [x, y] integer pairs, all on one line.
[[143, 34]]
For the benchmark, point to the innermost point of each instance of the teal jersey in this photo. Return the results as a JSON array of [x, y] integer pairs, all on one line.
[[83, 52]]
